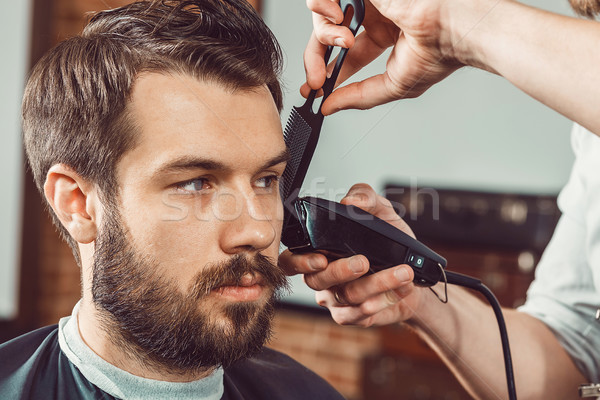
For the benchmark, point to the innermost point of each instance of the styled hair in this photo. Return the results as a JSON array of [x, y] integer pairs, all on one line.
[[586, 8], [75, 102]]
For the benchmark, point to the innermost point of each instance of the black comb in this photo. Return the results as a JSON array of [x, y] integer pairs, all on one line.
[[304, 126]]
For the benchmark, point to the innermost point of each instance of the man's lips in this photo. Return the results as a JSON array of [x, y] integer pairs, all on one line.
[[249, 288]]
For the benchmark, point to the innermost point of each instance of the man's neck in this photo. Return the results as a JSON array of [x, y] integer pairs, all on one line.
[[126, 358]]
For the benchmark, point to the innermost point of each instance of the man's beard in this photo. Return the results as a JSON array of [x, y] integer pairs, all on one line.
[[586, 8], [151, 320]]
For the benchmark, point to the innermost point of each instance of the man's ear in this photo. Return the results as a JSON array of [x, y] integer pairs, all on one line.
[[74, 200]]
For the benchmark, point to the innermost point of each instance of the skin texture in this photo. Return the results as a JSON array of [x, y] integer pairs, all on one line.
[[464, 332], [433, 38], [221, 202]]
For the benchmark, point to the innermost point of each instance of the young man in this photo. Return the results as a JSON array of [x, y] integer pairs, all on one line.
[[156, 140]]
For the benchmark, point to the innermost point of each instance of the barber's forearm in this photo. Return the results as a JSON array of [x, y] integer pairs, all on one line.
[[465, 334], [551, 57]]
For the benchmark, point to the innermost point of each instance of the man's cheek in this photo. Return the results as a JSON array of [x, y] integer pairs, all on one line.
[[179, 207], [181, 244], [175, 207]]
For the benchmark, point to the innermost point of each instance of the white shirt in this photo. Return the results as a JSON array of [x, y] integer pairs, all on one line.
[[566, 292]]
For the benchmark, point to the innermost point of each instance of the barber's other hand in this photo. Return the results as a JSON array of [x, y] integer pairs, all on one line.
[[382, 298], [421, 54]]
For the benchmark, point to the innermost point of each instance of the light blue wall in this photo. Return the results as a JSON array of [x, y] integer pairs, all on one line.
[[14, 42], [472, 131]]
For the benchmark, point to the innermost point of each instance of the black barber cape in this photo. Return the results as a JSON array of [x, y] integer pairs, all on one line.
[[34, 367]]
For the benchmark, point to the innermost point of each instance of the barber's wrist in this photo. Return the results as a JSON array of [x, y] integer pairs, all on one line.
[[428, 307], [471, 25]]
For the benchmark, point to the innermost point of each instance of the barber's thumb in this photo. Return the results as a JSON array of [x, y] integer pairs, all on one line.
[[359, 194]]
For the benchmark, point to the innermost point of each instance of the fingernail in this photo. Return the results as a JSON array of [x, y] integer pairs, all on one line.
[[339, 42], [402, 274], [356, 265]]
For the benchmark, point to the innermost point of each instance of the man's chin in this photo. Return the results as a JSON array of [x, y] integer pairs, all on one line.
[[239, 321]]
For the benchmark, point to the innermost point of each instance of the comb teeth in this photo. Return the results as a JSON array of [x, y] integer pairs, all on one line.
[[296, 135]]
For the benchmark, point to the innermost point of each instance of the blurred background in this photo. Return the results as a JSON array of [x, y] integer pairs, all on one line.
[[474, 165]]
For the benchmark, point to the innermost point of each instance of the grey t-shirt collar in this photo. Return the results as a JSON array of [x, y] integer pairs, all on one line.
[[122, 384]]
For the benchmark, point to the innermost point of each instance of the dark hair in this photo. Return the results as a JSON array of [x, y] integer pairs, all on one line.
[[75, 102]]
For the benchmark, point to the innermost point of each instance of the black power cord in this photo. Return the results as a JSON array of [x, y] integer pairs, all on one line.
[[475, 284]]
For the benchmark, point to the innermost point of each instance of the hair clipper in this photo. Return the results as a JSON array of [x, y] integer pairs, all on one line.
[[337, 230]]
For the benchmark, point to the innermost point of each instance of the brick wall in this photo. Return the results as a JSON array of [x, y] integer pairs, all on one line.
[[334, 352], [59, 276]]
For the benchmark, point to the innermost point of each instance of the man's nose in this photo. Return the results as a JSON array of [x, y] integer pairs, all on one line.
[[250, 227]]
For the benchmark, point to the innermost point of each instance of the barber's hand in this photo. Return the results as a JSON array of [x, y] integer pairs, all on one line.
[[382, 298], [420, 56]]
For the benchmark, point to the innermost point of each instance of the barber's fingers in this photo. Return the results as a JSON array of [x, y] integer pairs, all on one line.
[[388, 86], [354, 316], [331, 34], [338, 272], [326, 16], [363, 196], [373, 300], [362, 53], [373, 91], [314, 64], [293, 264], [375, 291], [362, 95], [411, 69], [327, 8]]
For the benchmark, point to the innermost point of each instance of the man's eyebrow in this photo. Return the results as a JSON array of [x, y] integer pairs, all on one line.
[[187, 163], [284, 156]]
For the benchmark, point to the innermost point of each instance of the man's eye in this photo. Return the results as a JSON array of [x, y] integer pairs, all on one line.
[[194, 185], [267, 181]]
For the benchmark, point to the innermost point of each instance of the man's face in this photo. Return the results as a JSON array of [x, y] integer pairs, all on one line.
[[184, 261]]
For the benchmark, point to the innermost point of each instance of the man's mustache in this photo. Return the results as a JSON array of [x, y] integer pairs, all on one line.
[[231, 271]]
